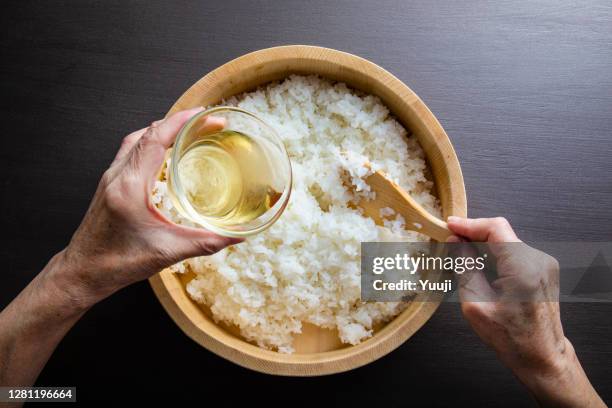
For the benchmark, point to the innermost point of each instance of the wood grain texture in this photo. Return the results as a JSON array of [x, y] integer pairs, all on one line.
[[523, 88], [390, 195], [312, 352]]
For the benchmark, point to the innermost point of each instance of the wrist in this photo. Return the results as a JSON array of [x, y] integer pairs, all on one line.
[[64, 279], [560, 381]]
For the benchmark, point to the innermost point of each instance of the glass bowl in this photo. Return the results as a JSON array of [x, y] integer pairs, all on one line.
[[274, 153]]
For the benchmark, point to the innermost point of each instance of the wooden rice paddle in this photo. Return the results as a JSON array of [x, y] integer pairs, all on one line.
[[389, 194]]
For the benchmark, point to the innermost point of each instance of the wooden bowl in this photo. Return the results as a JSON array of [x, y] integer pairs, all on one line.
[[318, 351]]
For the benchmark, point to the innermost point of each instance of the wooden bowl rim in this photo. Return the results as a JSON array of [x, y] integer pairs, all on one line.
[[180, 307]]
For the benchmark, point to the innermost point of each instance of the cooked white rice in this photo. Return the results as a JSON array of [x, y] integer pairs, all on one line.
[[306, 267]]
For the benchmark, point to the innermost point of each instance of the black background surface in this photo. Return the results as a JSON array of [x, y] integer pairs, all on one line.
[[523, 88]]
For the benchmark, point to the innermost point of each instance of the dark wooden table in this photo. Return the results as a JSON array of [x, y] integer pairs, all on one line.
[[523, 88]]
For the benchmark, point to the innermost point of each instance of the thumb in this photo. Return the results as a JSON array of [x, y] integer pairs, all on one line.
[[483, 229], [147, 156], [473, 284]]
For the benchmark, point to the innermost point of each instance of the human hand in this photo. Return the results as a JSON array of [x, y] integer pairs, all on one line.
[[123, 238], [518, 316]]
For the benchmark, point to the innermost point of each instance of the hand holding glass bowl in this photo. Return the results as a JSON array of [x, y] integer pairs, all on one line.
[[230, 175]]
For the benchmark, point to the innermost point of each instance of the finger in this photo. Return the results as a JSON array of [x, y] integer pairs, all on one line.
[[148, 154], [128, 143], [453, 239], [211, 124], [479, 315], [200, 242], [493, 230], [473, 284], [164, 132], [189, 242], [474, 287]]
